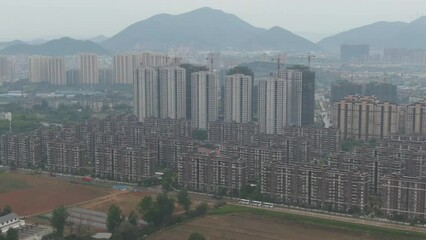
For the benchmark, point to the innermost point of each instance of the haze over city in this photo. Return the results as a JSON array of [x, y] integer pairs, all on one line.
[[48, 19], [212, 119]]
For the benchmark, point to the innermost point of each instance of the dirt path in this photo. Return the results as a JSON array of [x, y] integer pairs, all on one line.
[[99, 199]]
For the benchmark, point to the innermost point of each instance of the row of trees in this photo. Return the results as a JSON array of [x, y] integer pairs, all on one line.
[[118, 224], [158, 212], [29, 119], [349, 144], [122, 228]]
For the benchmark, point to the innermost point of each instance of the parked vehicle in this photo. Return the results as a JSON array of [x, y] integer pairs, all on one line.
[[256, 203], [244, 201], [267, 205], [87, 179]]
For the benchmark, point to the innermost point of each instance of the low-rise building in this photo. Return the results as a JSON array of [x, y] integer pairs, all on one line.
[[10, 220]]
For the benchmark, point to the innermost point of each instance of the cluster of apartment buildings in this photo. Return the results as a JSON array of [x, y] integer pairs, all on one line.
[[303, 166], [366, 117], [284, 100], [292, 172], [405, 56], [90, 72]]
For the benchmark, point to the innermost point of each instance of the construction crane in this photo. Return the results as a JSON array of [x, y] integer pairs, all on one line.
[[278, 61], [310, 56], [211, 60]]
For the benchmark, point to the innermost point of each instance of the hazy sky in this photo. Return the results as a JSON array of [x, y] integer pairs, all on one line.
[[31, 19]]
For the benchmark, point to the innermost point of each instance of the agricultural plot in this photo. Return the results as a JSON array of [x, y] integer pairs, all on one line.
[[30, 194]]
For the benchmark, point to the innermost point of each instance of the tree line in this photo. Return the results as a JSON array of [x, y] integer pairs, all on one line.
[[158, 212]]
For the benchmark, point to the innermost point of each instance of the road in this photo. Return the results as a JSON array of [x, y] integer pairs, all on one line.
[[324, 114]]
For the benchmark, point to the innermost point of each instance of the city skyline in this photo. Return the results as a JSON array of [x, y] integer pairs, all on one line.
[[159, 119], [319, 19]]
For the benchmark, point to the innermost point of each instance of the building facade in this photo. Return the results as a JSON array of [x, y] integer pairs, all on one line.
[[123, 68], [404, 197], [211, 173], [146, 93], [89, 69], [124, 163], [7, 69], [172, 92], [415, 118], [238, 98], [65, 156], [56, 71], [204, 98], [272, 112], [365, 118]]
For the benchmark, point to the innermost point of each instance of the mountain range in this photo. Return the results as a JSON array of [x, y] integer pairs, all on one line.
[[58, 47], [7, 44], [211, 29], [381, 35], [204, 29]]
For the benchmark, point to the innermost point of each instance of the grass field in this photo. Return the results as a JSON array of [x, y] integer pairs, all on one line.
[[238, 222], [30, 194]]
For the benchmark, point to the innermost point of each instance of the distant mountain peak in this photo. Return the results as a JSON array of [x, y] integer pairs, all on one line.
[[205, 10], [204, 28], [382, 34], [98, 39], [276, 28], [56, 47]]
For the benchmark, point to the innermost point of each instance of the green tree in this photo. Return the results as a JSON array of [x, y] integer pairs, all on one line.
[[12, 234], [161, 210], [372, 143], [126, 231], [114, 218], [6, 210], [2, 237], [200, 134], [123, 108], [241, 70], [166, 184], [349, 144], [249, 192], [59, 219], [132, 218], [153, 215], [196, 236], [145, 204], [202, 208], [166, 206], [184, 200]]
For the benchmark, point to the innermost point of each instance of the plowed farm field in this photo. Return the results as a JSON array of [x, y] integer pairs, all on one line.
[[31, 194]]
